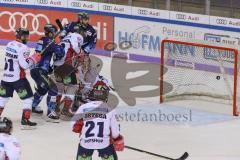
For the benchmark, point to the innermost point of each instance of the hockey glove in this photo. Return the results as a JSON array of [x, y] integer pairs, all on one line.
[[118, 143], [36, 57], [77, 127]]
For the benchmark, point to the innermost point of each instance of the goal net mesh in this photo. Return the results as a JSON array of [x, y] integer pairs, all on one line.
[[200, 70]]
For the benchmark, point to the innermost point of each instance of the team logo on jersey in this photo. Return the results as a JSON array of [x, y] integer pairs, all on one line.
[[89, 33]]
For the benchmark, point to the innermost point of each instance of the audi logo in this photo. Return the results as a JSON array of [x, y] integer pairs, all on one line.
[[108, 8], [181, 16], [76, 4], [221, 21], [34, 20], [42, 1], [142, 12]]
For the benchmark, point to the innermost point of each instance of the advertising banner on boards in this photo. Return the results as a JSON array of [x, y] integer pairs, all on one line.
[[144, 37], [35, 19]]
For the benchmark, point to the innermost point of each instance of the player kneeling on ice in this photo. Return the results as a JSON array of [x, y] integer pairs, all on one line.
[[98, 127], [17, 60], [9, 145], [40, 71], [65, 69]]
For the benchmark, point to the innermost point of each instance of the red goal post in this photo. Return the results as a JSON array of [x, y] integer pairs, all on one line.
[[199, 68]]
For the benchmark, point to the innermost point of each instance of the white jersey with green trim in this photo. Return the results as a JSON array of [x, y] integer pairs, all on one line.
[[16, 61], [100, 125]]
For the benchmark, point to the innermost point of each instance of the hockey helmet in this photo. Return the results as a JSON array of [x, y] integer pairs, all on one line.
[[99, 92], [79, 29], [82, 15], [50, 28], [21, 32], [5, 125]]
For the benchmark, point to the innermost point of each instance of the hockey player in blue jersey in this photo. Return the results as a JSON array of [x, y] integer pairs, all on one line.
[[41, 70], [90, 38]]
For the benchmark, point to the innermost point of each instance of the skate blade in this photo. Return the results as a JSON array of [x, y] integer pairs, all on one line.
[[37, 114], [26, 127], [52, 120], [65, 118]]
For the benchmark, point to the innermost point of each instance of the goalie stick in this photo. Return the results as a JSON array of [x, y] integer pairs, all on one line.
[[183, 157], [53, 40]]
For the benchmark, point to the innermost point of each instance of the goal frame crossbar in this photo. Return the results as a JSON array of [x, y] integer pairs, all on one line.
[[198, 44]]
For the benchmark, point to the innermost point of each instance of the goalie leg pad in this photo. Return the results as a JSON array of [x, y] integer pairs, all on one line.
[[66, 111], [71, 90], [68, 100], [60, 88]]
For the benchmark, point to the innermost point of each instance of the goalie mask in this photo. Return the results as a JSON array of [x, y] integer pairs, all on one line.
[[5, 125], [99, 92]]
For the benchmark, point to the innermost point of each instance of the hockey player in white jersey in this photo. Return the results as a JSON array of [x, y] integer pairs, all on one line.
[[9, 145], [67, 84], [17, 60], [88, 77], [98, 127]]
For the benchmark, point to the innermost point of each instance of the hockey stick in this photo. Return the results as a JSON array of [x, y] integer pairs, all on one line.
[[55, 36], [183, 157]]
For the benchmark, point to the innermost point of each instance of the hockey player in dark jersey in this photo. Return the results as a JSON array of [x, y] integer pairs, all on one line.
[[90, 38], [41, 70]]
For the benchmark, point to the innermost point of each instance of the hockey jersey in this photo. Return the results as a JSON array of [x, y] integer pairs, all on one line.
[[9, 147], [72, 45], [90, 40], [100, 125], [54, 50], [16, 61]]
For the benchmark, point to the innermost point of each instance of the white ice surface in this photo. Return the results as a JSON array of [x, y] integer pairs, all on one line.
[[208, 136]]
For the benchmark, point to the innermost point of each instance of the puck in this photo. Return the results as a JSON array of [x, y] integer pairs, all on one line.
[[218, 77]]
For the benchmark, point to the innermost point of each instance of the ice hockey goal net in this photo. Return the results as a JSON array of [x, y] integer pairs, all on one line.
[[200, 69]]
